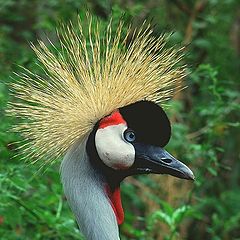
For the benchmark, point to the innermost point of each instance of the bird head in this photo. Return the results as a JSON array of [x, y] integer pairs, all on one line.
[[111, 89], [131, 141]]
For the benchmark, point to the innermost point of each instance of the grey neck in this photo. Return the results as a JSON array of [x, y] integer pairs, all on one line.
[[84, 189]]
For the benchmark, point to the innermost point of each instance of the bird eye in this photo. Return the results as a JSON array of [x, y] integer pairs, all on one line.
[[129, 135]]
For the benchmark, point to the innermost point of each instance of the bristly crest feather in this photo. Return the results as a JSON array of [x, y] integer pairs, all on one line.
[[89, 79]]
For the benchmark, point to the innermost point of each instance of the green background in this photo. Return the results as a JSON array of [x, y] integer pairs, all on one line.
[[205, 131]]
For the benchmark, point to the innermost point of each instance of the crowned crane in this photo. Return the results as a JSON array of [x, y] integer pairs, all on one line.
[[98, 104]]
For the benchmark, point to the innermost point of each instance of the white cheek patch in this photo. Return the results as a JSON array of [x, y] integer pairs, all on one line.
[[112, 149]]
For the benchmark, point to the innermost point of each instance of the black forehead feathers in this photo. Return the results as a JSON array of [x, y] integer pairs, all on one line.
[[149, 121]]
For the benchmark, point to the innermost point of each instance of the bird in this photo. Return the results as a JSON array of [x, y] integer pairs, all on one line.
[[100, 105]]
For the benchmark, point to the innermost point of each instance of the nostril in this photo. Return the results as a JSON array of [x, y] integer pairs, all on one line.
[[166, 160]]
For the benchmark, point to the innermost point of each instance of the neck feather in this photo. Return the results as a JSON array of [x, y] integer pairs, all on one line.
[[85, 190]]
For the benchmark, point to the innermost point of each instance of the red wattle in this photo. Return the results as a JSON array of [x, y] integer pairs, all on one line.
[[116, 203]]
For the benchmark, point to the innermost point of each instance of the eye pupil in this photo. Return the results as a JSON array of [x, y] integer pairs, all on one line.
[[129, 135]]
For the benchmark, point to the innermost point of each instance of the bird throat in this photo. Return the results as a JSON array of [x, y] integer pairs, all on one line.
[[116, 203]]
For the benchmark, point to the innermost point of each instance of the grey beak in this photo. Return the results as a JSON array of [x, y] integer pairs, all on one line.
[[153, 159]]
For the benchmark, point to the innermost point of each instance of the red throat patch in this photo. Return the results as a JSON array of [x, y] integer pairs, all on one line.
[[116, 203], [114, 119]]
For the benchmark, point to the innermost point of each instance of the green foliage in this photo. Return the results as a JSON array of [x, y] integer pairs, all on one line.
[[205, 133], [171, 217]]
